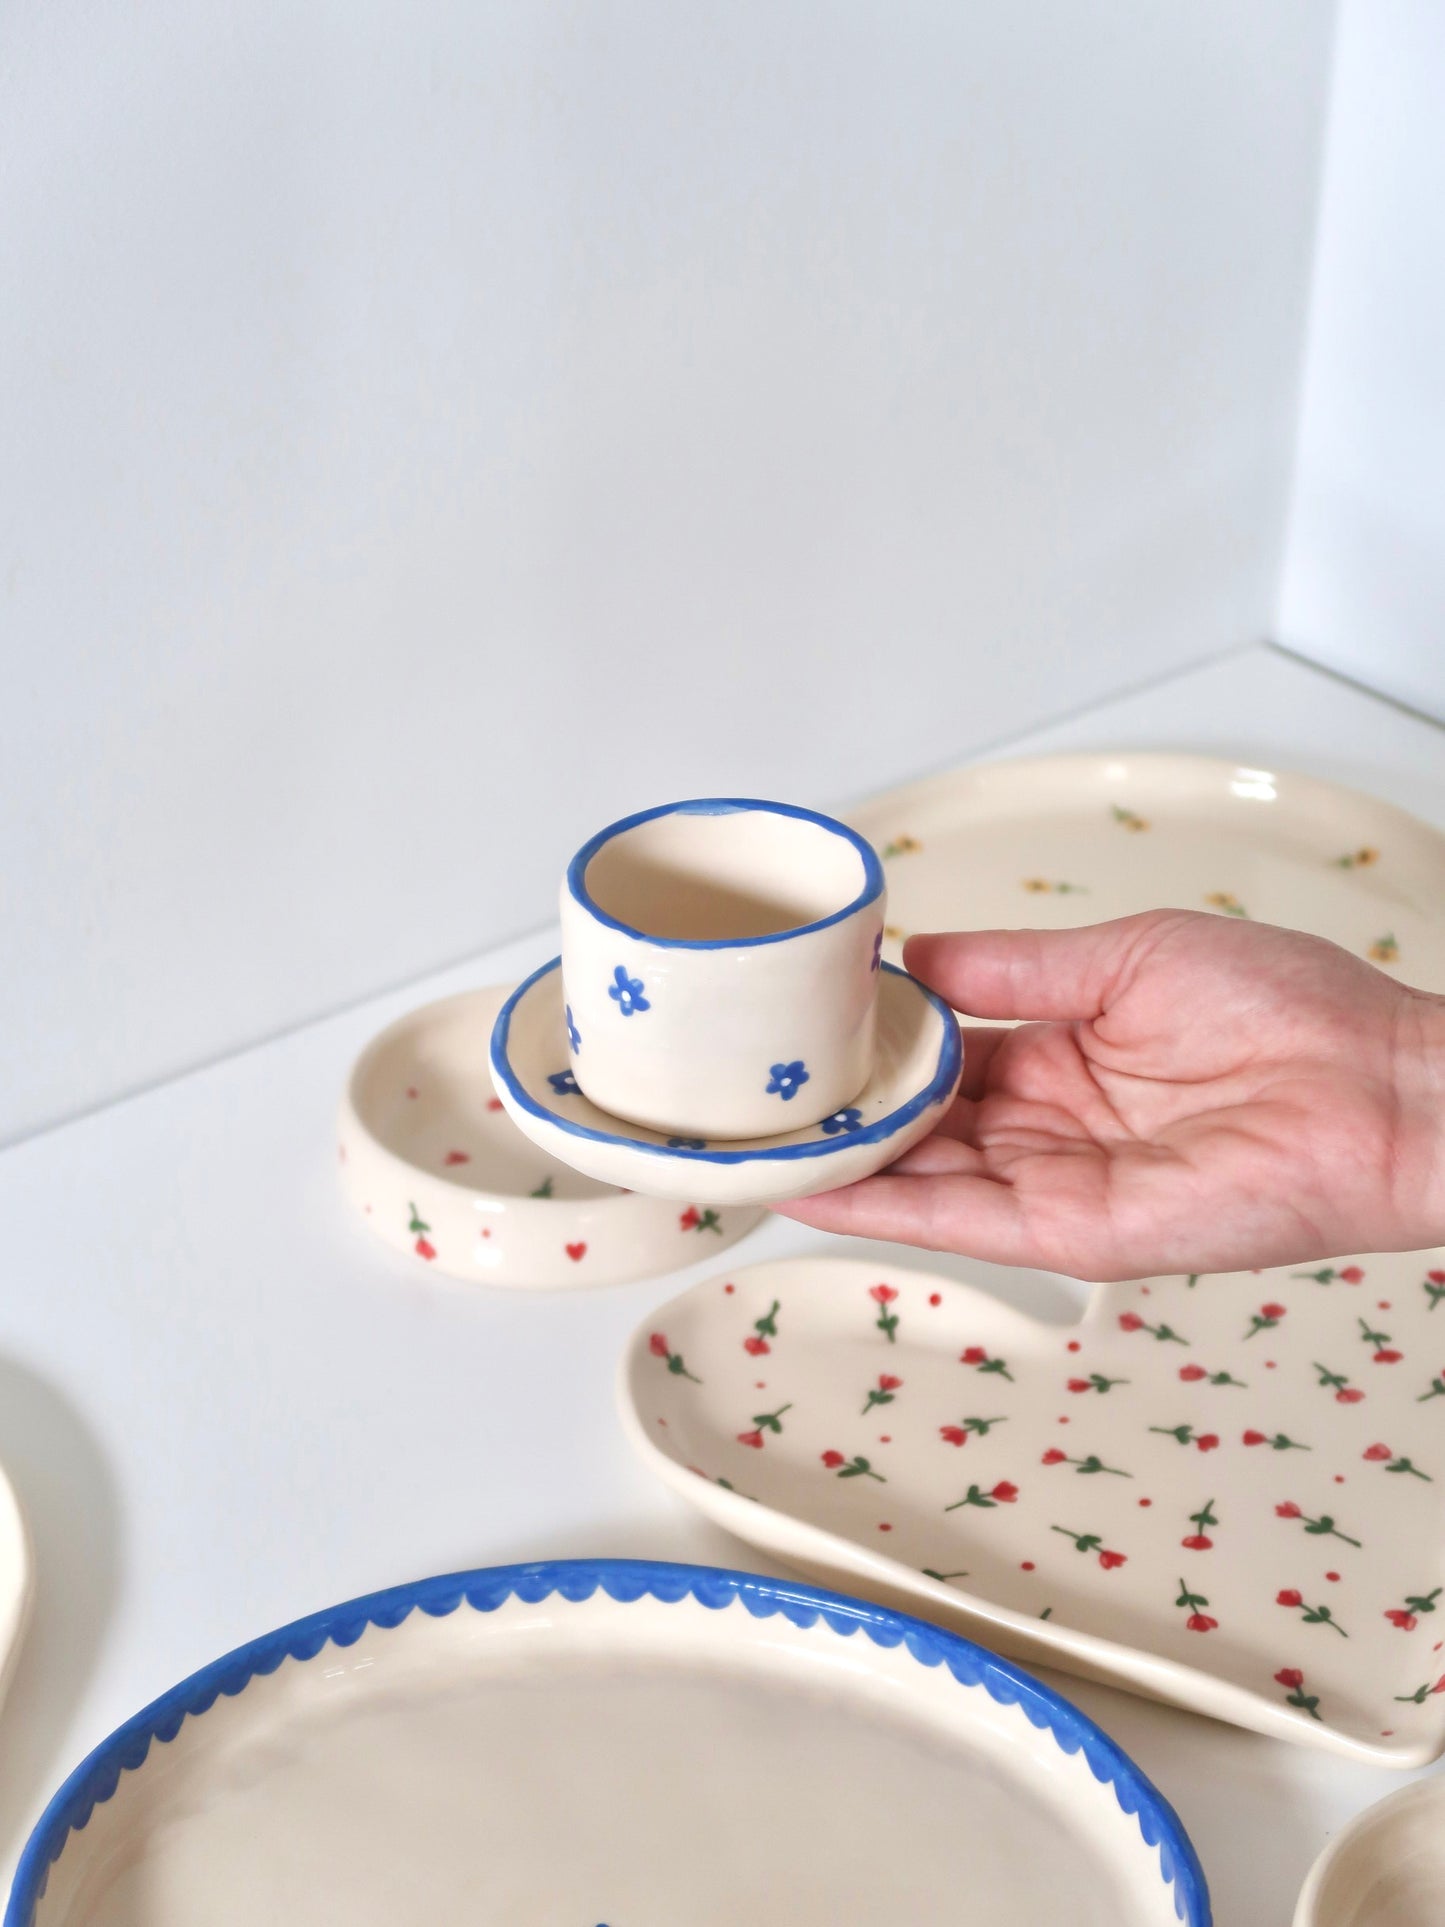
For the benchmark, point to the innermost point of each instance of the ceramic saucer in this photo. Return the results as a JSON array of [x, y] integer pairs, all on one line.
[[917, 1066], [437, 1169], [15, 1579], [1386, 1868], [608, 1741]]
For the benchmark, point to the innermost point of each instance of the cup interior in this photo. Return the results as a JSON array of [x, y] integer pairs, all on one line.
[[719, 873]]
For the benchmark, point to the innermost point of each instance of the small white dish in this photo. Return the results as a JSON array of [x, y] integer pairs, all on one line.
[[608, 1741], [15, 1580], [438, 1170], [1386, 1868], [720, 961], [916, 1071]]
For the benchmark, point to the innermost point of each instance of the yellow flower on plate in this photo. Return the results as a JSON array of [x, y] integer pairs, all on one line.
[[1357, 859], [902, 846], [1128, 818], [1385, 950], [1230, 905]]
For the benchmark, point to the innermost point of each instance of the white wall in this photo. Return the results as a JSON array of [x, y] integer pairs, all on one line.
[[1364, 582], [428, 431]]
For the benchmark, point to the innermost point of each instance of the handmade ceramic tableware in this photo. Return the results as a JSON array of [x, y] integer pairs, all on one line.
[[608, 1741], [720, 963], [15, 1580], [435, 1166], [1227, 1492], [1386, 1868], [915, 1074], [1055, 841]]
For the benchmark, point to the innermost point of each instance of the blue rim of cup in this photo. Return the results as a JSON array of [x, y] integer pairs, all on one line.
[[725, 806], [937, 1090], [625, 1581]]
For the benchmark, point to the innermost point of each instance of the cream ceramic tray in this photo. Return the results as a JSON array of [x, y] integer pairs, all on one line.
[[1056, 841], [1226, 1492], [608, 1741]]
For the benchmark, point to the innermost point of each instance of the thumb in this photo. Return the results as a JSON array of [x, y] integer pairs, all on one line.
[[1069, 975]]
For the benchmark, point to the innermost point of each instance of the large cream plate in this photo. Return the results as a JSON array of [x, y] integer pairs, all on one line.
[[438, 1170], [15, 1581], [1226, 1492], [608, 1742], [1051, 842]]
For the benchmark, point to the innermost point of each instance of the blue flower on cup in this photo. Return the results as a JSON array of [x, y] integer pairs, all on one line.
[[627, 992], [786, 1080], [687, 1144], [848, 1119], [574, 1036], [563, 1083]]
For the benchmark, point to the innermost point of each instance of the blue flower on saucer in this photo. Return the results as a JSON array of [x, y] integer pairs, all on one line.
[[848, 1119], [687, 1144], [563, 1083], [786, 1080], [574, 1036], [627, 991], [877, 951]]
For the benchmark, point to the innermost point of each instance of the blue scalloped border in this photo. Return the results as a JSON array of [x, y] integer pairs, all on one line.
[[624, 1580], [937, 1090]]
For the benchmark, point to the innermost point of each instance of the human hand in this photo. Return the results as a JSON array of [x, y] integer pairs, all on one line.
[[1195, 1094]]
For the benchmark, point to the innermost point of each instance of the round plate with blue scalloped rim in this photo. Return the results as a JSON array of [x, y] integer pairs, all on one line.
[[615, 1742], [916, 1070]]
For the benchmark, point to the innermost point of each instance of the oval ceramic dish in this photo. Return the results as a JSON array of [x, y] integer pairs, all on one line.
[[916, 1073], [1224, 1492], [1386, 1868], [608, 1741], [437, 1169]]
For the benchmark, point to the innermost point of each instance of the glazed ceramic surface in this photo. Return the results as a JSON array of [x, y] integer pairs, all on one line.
[[1055, 841], [15, 1580], [720, 961], [916, 1072], [1227, 1492], [437, 1169], [1386, 1869], [608, 1742]]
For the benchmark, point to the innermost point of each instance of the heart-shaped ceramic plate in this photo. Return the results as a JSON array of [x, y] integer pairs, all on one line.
[[438, 1170], [1227, 1492]]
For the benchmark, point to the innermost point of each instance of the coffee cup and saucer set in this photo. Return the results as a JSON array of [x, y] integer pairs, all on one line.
[[719, 1033], [720, 1024]]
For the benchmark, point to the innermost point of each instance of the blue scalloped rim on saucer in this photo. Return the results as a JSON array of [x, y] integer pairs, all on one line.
[[625, 1581], [725, 806], [936, 1091]]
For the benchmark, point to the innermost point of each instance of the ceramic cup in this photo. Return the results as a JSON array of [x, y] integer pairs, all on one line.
[[720, 967]]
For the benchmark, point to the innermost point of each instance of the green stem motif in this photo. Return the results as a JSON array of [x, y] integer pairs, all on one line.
[[544, 1189], [771, 1421], [1437, 1390]]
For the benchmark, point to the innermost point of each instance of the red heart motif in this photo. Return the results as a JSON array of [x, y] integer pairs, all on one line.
[[458, 1157], [576, 1252]]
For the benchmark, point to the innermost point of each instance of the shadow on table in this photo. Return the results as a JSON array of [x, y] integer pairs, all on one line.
[[65, 1489]]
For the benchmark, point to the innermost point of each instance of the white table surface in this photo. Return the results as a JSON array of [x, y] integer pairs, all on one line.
[[223, 1404]]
